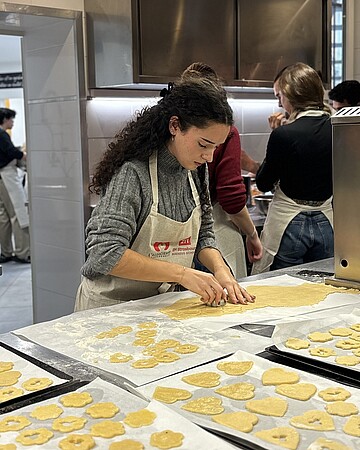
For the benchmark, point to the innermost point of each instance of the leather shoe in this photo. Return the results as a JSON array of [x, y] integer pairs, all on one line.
[[5, 259], [22, 261]]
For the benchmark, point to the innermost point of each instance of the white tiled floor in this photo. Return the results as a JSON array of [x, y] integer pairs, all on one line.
[[15, 296]]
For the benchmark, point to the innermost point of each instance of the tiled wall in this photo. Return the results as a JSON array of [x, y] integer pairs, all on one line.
[[106, 116]]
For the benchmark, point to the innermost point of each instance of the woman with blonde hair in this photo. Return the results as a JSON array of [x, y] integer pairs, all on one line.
[[298, 166]]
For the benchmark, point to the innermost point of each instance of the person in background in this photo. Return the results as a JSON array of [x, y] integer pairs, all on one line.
[[298, 165], [279, 118], [228, 193], [346, 93], [14, 218], [154, 213]]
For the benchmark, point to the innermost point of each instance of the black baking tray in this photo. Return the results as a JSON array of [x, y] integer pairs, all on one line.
[[43, 394], [337, 373]]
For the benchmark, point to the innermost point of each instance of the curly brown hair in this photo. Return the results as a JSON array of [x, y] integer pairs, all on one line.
[[196, 103]]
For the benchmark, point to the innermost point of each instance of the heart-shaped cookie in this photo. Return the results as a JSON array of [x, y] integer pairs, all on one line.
[[283, 436], [170, 395], [237, 391], [327, 444], [313, 420], [299, 391], [203, 379], [269, 406], [278, 375], [235, 367], [205, 405], [240, 420], [352, 426]]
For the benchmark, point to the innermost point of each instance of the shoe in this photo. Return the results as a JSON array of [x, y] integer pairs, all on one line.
[[22, 261], [5, 259]]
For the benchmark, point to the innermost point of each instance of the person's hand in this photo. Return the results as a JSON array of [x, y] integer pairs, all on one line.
[[235, 293], [203, 284], [254, 247], [276, 120]]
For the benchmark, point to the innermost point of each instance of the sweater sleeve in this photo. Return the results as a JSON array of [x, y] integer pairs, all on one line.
[[115, 221], [229, 183]]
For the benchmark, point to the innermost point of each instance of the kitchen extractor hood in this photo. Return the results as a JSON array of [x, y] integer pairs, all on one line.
[[137, 42]]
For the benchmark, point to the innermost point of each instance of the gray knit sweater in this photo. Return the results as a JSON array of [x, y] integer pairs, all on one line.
[[122, 210]]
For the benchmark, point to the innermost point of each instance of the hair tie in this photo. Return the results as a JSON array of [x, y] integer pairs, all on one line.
[[166, 91]]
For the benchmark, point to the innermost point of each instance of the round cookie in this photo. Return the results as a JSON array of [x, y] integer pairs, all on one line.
[[107, 429], [146, 333], [33, 437], [166, 357], [166, 439], [9, 377], [348, 344], [68, 424], [351, 360], [143, 342], [104, 410], [341, 408], [35, 384], [317, 336], [6, 365], [76, 399], [77, 442], [297, 344], [46, 412], [355, 327], [343, 332], [186, 348], [141, 418], [334, 394], [14, 423], [144, 363], [323, 352], [10, 392]]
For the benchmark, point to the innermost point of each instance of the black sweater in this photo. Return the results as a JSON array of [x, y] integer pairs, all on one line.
[[8, 151]]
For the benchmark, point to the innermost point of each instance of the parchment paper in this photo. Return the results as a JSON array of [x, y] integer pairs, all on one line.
[[303, 328], [28, 370], [295, 407], [101, 391], [75, 336]]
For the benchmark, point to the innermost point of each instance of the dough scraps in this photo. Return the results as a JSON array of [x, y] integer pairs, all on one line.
[[352, 426], [78, 442], [297, 344], [107, 429], [283, 436], [237, 391], [76, 399], [235, 368], [166, 439], [203, 379], [299, 391], [33, 437], [334, 394], [305, 294], [68, 424], [240, 420], [313, 420], [170, 395], [141, 418], [46, 412], [104, 410], [268, 406], [205, 405], [127, 444], [277, 375], [35, 384], [342, 409]]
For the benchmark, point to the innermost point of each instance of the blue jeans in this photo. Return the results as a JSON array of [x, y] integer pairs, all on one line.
[[308, 237]]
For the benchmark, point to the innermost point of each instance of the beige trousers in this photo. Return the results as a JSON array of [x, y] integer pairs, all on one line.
[[9, 225]]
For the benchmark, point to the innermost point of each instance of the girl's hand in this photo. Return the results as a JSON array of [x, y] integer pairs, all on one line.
[[235, 293]]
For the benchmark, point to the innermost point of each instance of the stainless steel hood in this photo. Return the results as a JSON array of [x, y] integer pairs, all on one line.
[[133, 42]]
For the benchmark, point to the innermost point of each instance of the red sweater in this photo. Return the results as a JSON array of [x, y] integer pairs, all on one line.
[[226, 182]]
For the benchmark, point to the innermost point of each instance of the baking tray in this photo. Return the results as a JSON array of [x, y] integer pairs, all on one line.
[[36, 396], [323, 369]]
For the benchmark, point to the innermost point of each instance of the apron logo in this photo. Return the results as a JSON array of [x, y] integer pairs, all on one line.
[[186, 241], [157, 246]]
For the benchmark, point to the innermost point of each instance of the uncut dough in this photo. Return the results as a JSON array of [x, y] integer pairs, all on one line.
[[275, 296]]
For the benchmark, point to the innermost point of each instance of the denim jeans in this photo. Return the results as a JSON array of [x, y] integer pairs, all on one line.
[[308, 237]]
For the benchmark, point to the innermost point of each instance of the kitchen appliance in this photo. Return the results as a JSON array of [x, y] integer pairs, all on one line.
[[346, 170]]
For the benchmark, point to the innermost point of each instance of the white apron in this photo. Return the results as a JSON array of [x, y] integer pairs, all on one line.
[[160, 238], [281, 212], [12, 179], [230, 242]]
